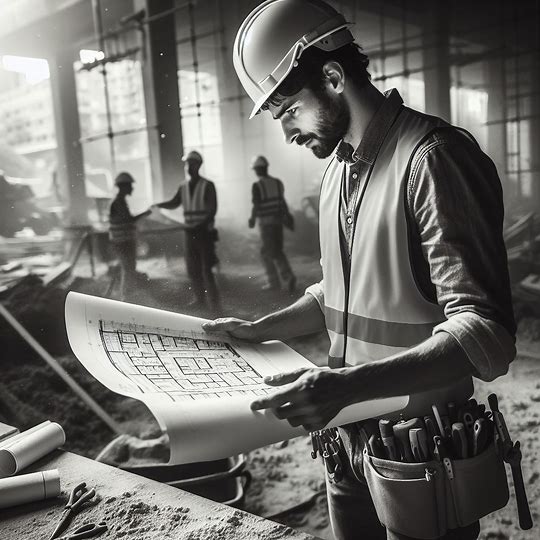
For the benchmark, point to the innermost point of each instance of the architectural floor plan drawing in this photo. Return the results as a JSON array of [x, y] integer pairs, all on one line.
[[198, 386], [184, 368]]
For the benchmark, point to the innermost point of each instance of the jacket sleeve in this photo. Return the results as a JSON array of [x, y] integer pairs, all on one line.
[[173, 203]]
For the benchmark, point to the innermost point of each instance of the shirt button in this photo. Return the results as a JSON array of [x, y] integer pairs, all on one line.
[[355, 175], [349, 220]]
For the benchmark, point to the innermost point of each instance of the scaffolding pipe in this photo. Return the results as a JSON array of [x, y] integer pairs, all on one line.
[[64, 375], [132, 25], [98, 136], [98, 27]]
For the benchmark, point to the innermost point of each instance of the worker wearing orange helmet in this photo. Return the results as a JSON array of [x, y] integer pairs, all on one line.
[[271, 211], [415, 295]]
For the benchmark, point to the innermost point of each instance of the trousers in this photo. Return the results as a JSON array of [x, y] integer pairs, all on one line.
[[274, 259], [200, 256], [126, 251]]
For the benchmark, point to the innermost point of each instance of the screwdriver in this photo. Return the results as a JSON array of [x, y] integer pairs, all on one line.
[[386, 429], [419, 444], [401, 433]]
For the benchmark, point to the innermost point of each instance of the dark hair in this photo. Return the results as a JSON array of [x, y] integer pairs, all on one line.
[[309, 74]]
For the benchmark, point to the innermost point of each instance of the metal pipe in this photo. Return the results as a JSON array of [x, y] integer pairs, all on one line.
[[64, 375], [133, 25], [511, 119], [111, 58], [98, 27], [99, 136]]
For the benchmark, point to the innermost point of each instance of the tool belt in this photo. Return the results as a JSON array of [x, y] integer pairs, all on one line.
[[431, 474], [424, 500]]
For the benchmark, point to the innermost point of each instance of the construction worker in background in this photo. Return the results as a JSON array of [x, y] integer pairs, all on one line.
[[123, 232], [272, 212], [415, 294], [199, 201]]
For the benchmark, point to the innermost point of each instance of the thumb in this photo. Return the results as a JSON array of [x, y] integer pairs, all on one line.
[[284, 378], [221, 325]]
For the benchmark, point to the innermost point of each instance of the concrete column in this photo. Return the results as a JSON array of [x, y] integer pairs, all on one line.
[[68, 133], [237, 130], [437, 61], [160, 80], [496, 144], [534, 129]]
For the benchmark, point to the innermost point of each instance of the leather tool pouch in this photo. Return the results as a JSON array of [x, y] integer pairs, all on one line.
[[424, 500]]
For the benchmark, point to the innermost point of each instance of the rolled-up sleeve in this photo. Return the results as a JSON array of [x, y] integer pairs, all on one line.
[[455, 197], [316, 290]]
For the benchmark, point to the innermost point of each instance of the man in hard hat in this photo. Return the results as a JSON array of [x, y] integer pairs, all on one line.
[[123, 232], [272, 212], [415, 293], [199, 200]]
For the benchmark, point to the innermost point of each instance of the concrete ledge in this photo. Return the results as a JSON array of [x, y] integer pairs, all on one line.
[[135, 508]]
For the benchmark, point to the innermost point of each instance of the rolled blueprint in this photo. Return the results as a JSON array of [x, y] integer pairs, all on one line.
[[22, 450], [29, 488]]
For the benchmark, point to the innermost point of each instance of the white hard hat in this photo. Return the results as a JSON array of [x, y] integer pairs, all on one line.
[[259, 161], [273, 37], [124, 178], [194, 155]]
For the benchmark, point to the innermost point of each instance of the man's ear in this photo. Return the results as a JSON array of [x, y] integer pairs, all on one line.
[[335, 76]]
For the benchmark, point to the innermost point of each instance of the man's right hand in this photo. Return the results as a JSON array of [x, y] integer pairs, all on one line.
[[237, 328]]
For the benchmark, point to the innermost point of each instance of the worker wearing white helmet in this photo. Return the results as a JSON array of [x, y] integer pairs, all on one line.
[[415, 293], [271, 211], [198, 198]]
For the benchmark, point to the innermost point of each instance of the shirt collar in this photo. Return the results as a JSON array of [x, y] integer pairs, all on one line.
[[375, 133]]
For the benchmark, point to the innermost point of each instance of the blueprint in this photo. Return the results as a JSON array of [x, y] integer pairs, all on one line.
[[198, 386], [183, 368]]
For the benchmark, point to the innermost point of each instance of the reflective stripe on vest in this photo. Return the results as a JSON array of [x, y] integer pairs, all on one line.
[[269, 209], [122, 232], [386, 312], [195, 210]]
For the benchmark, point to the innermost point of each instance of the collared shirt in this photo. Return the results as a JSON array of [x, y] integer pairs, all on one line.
[[454, 208]]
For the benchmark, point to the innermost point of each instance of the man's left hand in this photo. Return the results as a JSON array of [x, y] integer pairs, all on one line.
[[312, 397]]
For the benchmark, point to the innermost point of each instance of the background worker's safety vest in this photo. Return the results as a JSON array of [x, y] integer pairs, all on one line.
[[270, 208], [379, 310], [195, 210], [121, 230]]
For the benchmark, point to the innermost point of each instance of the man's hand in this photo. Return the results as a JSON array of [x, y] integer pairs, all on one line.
[[251, 223], [237, 328], [312, 397]]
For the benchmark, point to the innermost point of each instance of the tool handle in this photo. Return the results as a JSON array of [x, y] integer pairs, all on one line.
[[524, 513], [401, 434], [493, 402]]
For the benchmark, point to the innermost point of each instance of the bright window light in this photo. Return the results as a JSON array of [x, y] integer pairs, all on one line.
[[34, 69], [88, 56]]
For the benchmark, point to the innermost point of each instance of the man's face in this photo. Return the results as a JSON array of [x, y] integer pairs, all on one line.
[[260, 171], [317, 120], [191, 167]]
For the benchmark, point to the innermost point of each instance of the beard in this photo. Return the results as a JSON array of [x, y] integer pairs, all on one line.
[[333, 123]]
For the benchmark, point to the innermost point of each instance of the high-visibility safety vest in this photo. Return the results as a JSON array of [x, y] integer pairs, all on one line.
[[195, 210], [122, 232], [122, 228], [378, 310], [270, 208]]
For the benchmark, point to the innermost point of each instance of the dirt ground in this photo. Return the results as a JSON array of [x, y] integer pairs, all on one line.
[[284, 475]]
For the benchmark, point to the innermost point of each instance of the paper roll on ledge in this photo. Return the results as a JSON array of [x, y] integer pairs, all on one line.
[[23, 449], [29, 488]]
